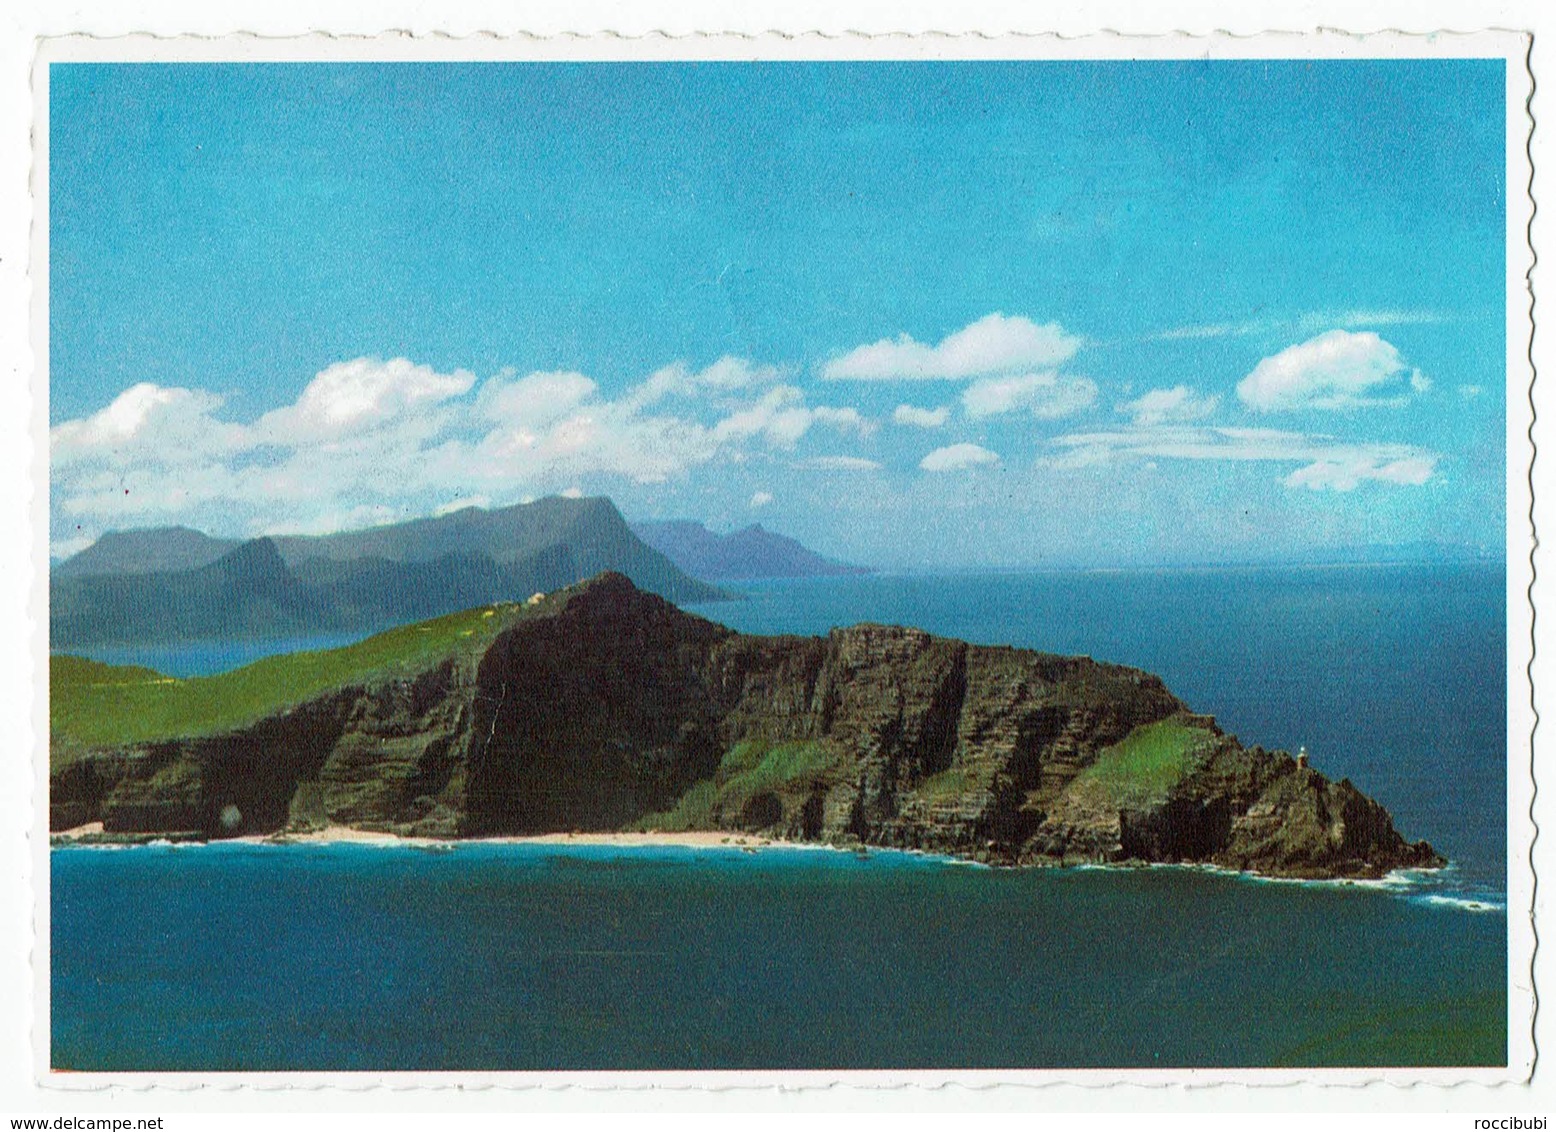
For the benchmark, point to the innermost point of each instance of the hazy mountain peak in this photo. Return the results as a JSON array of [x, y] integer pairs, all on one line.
[[751, 552]]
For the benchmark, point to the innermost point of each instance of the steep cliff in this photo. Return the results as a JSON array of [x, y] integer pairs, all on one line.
[[603, 707]]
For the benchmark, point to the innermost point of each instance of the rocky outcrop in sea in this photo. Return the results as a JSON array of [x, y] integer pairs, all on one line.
[[615, 710]]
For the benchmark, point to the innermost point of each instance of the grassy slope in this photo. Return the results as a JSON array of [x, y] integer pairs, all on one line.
[[1140, 769], [949, 783], [94, 704], [1146, 763], [749, 768], [100, 704]]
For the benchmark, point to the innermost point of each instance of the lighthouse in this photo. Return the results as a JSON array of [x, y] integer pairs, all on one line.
[[1302, 756]]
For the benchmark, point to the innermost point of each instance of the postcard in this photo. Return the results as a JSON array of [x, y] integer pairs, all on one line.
[[788, 559]]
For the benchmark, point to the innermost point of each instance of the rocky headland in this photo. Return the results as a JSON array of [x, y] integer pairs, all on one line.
[[601, 707]]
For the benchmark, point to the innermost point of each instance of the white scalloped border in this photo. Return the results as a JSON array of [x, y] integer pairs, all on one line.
[[1197, 1088]]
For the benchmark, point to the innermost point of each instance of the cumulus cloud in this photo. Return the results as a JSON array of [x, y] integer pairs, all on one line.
[[1323, 462], [995, 344], [599, 438], [760, 499], [955, 457], [844, 420], [729, 375], [371, 440], [357, 396], [146, 422], [535, 400], [921, 418], [781, 417], [1046, 396], [1180, 403], [1336, 370]]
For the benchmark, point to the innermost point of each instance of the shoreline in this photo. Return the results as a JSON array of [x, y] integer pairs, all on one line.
[[92, 836]]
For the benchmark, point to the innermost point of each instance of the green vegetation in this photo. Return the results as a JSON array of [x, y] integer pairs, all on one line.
[[100, 704], [949, 783], [1147, 763], [754, 766], [693, 811], [750, 768], [742, 758]]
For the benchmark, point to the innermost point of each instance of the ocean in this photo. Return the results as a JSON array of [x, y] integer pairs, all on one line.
[[484, 956]]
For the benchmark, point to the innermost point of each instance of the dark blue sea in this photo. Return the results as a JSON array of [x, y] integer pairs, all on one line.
[[569, 957]]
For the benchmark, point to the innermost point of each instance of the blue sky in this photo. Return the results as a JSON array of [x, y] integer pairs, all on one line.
[[918, 315]]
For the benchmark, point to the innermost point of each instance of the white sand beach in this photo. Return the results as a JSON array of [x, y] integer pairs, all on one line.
[[702, 839]]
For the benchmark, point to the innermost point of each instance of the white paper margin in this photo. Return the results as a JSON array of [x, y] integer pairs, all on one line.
[[1511, 46]]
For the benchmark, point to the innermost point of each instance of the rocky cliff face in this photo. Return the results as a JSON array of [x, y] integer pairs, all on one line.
[[617, 710]]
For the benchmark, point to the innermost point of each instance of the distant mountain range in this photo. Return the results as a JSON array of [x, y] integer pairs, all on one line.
[[749, 553], [173, 583]]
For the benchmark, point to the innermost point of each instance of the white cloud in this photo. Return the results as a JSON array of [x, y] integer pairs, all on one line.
[[462, 503], [844, 420], [1355, 318], [1323, 462], [65, 547], [351, 397], [995, 344], [598, 438], [339, 519], [840, 464], [760, 499], [370, 441], [1469, 392], [781, 418], [1336, 370], [536, 400], [921, 418], [955, 457], [730, 372], [1309, 323], [146, 423], [1214, 330], [1180, 403], [1047, 396], [726, 376], [1349, 471]]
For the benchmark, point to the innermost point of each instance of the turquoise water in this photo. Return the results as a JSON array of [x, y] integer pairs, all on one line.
[[201, 658], [528, 957]]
